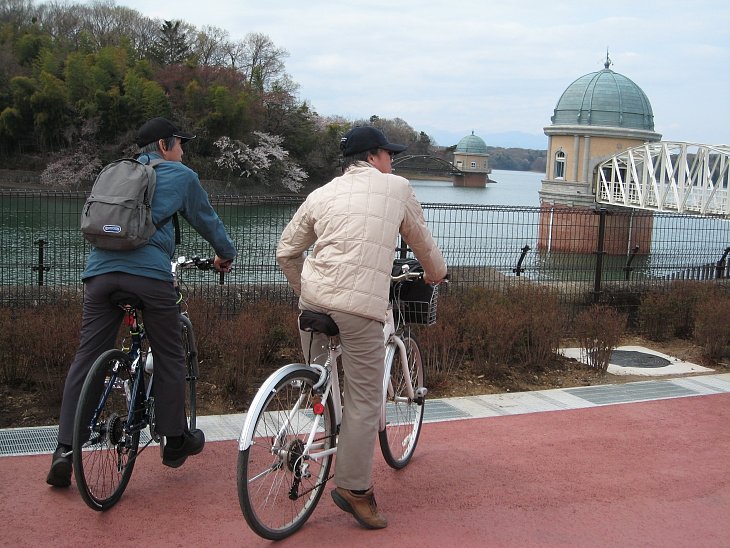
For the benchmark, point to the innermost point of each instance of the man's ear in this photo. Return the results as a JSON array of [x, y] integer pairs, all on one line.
[[161, 144]]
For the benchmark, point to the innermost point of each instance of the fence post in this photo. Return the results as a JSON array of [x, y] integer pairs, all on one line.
[[599, 254], [519, 268], [628, 269], [720, 267], [40, 268]]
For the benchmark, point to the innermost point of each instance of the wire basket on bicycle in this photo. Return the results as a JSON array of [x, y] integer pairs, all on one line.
[[414, 300]]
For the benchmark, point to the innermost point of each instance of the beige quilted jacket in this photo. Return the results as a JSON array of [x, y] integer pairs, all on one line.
[[353, 223]]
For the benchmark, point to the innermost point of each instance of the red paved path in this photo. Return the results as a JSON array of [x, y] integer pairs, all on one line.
[[640, 474]]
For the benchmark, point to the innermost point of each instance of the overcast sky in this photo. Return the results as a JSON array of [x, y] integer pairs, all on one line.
[[449, 68]]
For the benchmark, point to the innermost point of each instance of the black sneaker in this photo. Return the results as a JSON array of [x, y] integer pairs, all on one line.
[[61, 467], [179, 448]]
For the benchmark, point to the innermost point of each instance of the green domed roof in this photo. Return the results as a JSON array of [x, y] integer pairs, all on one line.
[[471, 144], [604, 98]]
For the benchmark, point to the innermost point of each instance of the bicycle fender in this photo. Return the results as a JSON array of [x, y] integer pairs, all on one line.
[[390, 351], [259, 400]]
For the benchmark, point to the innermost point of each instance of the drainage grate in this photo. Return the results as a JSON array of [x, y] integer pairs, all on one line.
[[439, 410], [632, 392], [28, 441], [38, 441]]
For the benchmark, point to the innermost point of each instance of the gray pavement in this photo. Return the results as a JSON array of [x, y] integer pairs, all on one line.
[[42, 440]]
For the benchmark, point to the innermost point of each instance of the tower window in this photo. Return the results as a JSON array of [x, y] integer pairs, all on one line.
[[559, 171], [473, 164]]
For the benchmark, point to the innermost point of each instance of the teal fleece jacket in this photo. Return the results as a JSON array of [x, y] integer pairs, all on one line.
[[178, 189]]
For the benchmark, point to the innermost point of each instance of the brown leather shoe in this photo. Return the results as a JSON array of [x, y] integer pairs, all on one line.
[[363, 507]]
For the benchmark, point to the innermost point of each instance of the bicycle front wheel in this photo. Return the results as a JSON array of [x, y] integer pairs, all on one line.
[[191, 371], [278, 484], [403, 415], [103, 452]]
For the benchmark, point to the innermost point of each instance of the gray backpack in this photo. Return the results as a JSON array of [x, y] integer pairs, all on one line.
[[117, 214]]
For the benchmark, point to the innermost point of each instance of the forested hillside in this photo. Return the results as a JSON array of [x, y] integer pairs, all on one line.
[[517, 159], [77, 80]]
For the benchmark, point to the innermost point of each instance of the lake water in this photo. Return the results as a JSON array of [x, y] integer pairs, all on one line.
[[492, 232], [512, 188]]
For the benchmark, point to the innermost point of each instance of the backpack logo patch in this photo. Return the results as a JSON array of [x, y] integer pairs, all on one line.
[[116, 229]]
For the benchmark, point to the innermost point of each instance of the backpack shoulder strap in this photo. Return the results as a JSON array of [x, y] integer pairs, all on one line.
[[175, 221]]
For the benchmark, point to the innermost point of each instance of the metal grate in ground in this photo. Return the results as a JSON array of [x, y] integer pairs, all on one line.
[[42, 440], [632, 392]]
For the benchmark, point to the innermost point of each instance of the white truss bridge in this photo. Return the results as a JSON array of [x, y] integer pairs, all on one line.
[[668, 176]]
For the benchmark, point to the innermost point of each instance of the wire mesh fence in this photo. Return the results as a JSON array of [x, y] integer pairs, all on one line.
[[585, 255]]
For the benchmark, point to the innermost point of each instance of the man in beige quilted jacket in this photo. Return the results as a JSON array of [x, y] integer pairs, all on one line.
[[353, 223]]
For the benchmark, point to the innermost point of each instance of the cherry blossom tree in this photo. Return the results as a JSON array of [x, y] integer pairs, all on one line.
[[267, 162]]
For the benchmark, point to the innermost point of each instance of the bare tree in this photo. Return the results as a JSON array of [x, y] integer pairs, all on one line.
[[60, 21], [17, 12], [235, 54], [101, 22], [264, 62], [211, 46], [143, 32]]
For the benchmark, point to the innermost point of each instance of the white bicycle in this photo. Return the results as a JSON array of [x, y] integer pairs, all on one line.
[[290, 433]]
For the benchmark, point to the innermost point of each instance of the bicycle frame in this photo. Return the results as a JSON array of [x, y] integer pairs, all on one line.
[[137, 357], [135, 353], [393, 344], [329, 377]]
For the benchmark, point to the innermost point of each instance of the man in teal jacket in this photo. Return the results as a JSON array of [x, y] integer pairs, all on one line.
[[146, 273]]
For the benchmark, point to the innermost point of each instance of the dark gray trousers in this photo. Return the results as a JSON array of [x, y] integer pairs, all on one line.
[[99, 328]]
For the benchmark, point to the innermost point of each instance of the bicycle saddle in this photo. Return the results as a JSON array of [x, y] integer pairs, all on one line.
[[317, 322], [124, 298]]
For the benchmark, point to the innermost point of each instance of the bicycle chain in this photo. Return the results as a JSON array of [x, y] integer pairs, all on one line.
[[320, 483]]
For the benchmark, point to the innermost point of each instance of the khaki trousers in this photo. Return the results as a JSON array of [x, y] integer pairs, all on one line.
[[363, 362]]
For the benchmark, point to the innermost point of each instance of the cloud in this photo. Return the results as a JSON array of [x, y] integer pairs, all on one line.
[[477, 64]]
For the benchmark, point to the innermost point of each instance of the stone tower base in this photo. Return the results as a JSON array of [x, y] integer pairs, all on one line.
[[576, 230], [471, 179]]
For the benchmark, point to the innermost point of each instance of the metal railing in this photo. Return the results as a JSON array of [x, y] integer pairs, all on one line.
[[43, 253]]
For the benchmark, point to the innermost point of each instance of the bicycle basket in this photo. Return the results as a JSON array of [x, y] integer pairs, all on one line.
[[418, 301]]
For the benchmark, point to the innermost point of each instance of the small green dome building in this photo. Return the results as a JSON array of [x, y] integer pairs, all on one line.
[[471, 157]]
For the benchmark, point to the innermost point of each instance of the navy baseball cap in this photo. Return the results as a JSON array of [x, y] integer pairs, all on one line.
[[364, 138], [160, 128]]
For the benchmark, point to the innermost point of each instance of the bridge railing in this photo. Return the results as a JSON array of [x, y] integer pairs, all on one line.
[[667, 176]]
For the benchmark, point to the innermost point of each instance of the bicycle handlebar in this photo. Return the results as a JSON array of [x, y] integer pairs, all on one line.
[[413, 276], [407, 276], [197, 262]]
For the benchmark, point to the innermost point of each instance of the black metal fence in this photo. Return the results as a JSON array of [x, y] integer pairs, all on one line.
[[585, 255]]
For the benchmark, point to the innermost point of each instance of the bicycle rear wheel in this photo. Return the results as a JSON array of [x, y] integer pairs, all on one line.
[[403, 415], [278, 488], [103, 453]]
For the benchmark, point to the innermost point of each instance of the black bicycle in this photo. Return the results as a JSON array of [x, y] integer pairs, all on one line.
[[117, 403]]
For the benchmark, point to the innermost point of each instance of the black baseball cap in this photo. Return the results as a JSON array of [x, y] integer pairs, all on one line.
[[160, 128], [363, 138]]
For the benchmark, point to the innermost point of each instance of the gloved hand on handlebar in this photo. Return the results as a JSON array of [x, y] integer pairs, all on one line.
[[432, 282], [224, 265]]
